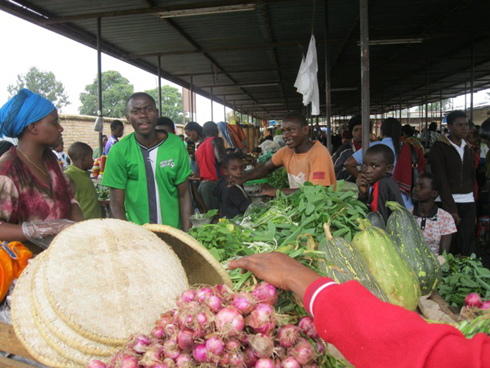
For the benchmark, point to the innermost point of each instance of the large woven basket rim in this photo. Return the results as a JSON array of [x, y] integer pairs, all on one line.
[[74, 343], [23, 283], [78, 328], [195, 245]]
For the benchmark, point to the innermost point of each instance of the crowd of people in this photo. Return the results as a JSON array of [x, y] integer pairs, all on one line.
[[157, 176]]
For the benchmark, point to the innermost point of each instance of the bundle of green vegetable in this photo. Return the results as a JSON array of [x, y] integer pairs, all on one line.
[[278, 178], [103, 193], [461, 276]]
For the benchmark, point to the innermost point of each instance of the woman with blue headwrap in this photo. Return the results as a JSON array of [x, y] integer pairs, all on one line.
[[35, 199]]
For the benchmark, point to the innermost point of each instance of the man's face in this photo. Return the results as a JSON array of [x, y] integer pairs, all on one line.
[[142, 115], [104, 141], [192, 134], [375, 167], [119, 131], [357, 133], [460, 128], [293, 133], [235, 169]]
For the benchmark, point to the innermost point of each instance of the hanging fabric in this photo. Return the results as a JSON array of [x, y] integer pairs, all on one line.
[[307, 82]]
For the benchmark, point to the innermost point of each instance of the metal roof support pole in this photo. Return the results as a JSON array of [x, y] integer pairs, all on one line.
[[192, 100], [472, 76], [401, 104], [99, 78], [328, 107], [465, 102], [440, 107], [160, 86], [365, 97], [224, 108], [234, 108], [212, 111], [427, 103]]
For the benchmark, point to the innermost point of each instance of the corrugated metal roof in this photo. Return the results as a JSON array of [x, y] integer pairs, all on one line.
[[252, 57]]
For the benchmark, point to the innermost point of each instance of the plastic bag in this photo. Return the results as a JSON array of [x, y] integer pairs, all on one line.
[[269, 146], [42, 233], [279, 139]]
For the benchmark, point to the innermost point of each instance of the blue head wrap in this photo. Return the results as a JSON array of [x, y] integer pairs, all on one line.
[[21, 110]]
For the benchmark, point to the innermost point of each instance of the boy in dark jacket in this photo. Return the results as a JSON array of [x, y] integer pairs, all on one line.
[[375, 183], [452, 160], [233, 200]]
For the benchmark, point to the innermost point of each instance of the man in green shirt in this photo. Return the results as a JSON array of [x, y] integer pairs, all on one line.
[[147, 171]]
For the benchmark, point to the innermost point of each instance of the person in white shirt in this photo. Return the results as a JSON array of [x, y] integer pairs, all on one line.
[[453, 162]]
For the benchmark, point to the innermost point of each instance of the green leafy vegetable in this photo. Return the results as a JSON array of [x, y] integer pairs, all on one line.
[[461, 276]]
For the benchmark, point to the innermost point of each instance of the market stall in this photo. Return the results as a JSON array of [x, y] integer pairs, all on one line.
[[86, 301]]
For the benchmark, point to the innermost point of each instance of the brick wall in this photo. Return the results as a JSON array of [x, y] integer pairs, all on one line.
[[80, 128]]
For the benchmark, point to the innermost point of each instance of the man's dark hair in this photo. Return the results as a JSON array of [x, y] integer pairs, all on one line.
[[435, 182], [194, 127], [485, 130], [407, 130], [384, 150], [164, 121], [78, 149], [210, 129], [453, 115], [392, 127], [355, 120], [297, 118], [231, 157], [115, 124], [140, 94], [433, 126]]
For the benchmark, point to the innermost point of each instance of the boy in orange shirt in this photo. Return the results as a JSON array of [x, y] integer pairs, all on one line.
[[304, 159]]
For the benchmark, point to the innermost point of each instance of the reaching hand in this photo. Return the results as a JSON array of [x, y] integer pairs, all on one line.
[[270, 192], [279, 270]]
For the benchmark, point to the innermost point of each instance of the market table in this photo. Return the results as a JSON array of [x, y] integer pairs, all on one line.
[[11, 344]]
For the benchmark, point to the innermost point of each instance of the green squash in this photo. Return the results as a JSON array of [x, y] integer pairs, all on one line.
[[395, 277], [345, 263], [408, 238]]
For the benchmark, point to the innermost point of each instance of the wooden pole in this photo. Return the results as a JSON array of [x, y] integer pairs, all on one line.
[[328, 102], [99, 80], [365, 96], [159, 86]]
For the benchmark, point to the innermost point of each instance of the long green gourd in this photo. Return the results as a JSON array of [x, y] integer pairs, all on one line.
[[407, 237], [395, 277], [345, 263]]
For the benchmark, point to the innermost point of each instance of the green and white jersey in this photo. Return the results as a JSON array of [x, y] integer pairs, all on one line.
[[149, 176]]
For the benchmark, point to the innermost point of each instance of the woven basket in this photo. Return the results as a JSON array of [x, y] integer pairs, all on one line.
[[108, 279], [25, 327], [200, 265]]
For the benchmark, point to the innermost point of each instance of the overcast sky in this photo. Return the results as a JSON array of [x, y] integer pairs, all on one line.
[[25, 45]]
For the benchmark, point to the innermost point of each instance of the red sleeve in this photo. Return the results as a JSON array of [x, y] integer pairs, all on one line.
[[372, 333]]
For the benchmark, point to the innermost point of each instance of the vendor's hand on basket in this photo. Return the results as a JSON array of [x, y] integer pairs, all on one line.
[[279, 270]]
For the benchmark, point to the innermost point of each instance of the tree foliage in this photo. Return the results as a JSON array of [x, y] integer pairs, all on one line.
[[115, 91], [172, 105], [41, 82]]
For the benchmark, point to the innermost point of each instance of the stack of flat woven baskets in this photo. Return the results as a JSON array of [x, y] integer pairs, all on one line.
[[101, 281]]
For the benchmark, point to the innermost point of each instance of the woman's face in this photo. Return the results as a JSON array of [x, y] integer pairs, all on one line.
[[49, 130]]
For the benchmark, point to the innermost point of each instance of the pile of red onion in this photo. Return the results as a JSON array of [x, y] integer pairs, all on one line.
[[216, 327], [474, 300]]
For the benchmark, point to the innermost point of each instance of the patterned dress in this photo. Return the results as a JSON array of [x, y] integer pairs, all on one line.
[[25, 198]]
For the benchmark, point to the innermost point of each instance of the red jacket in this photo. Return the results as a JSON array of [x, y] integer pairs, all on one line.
[[372, 333]]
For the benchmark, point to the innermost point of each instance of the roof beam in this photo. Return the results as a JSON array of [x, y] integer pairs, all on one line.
[[154, 10], [217, 49], [265, 14]]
